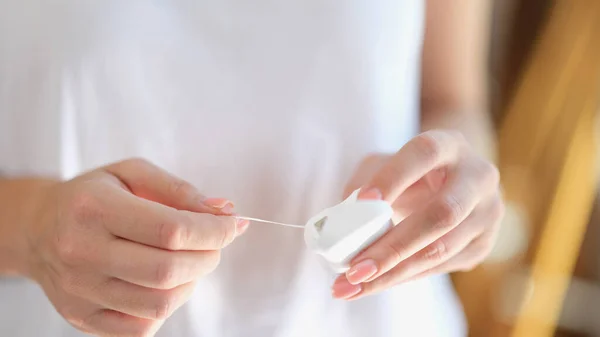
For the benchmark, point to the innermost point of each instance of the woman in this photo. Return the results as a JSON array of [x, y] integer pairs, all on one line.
[[279, 107]]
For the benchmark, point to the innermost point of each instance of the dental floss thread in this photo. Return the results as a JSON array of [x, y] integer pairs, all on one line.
[[350, 198], [269, 222]]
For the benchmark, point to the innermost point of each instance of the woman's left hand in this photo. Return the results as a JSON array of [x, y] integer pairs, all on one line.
[[449, 203]]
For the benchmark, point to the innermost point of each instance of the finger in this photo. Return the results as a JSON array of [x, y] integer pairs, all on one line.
[[149, 181], [90, 318], [441, 250], [156, 268], [435, 253], [106, 322], [466, 187], [73, 308], [468, 259], [363, 277], [412, 200], [424, 153], [343, 289], [368, 167], [141, 302], [156, 225]]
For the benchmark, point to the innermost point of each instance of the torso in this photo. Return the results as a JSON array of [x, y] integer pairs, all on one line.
[[268, 103]]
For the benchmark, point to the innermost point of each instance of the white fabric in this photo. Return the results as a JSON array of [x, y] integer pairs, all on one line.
[[269, 103]]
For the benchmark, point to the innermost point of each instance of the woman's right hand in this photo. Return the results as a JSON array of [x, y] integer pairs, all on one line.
[[118, 249]]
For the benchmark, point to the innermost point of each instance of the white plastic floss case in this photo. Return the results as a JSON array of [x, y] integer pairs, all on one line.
[[337, 234]]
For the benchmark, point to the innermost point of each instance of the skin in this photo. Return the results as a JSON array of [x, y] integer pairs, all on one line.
[[442, 184], [70, 236]]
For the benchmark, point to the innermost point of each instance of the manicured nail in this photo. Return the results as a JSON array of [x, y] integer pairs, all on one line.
[[343, 290], [224, 205], [361, 271], [242, 226], [228, 209], [370, 194], [216, 202]]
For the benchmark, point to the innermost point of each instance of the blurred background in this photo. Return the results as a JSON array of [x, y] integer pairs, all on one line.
[[543, 278]]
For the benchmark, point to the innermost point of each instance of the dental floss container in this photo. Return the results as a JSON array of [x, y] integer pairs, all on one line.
[[339, 233]]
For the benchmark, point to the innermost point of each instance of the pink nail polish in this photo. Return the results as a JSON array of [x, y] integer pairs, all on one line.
[[361, 271], [343, 290], [217, 202], [242, 226], [223, 205], [227, 209], [370, 194]]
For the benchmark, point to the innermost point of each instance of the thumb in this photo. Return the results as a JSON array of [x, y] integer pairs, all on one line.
[[363, 173], [150, 182]]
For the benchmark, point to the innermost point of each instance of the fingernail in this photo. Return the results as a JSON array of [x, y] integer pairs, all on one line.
[[227, 209], [217, 202], [342, 289], [242, 226], [224, 205], [370, 194], [361, 271]]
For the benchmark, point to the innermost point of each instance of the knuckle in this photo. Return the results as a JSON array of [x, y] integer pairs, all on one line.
[[172, 235], [388, 173], [488, 173], [164, 306], [447, 213], [428, 147], [83, 322], [67, 250], [438, 251], [212, 260], [394, 252], [227, 232], [84, 207], [166, 274], [90, 321], [181, 187]]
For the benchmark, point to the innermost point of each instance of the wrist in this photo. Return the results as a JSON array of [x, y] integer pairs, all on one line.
[[476, 127], [22, 208]]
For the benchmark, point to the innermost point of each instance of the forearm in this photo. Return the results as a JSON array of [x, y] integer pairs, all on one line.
[[455, 89], [19, 201]]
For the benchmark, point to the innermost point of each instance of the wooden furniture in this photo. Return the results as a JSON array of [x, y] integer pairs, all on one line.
[[547, 162]]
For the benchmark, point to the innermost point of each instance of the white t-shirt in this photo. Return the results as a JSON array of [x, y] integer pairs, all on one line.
[[269, 103]]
